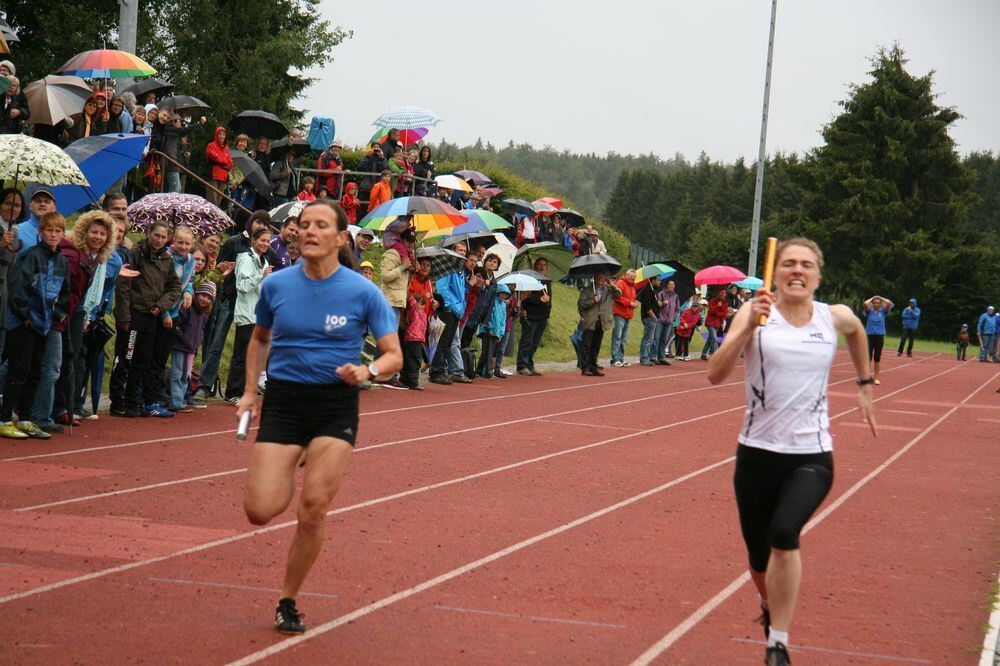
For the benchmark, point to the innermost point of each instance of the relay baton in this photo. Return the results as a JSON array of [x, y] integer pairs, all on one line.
[[772, 246], [244, 428]]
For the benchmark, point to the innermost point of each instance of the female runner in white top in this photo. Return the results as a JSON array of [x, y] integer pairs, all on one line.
[[784, 462]]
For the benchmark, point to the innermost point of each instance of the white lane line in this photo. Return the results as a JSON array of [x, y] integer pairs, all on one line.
[[848, 653], [413, 491], [126, 491], [590, 425], [454, 573], [692, 620], [384, 411], [903, 411], [537, 618], [373, 447], [991, 643], [233, 586], [465, 568], [991, 420]]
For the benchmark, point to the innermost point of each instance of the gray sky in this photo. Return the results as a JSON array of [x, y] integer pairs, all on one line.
[[636, 76]]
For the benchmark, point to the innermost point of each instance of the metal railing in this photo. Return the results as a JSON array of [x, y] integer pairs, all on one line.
[[164, 158], [361, 175]]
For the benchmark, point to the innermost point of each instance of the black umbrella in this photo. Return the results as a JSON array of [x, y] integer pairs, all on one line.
[[252, 173], [521, 206], [156, 86], [589, 264], [185, 105], [257, 123], [299, 147], [443, 261], [485, 239], [571, 217]]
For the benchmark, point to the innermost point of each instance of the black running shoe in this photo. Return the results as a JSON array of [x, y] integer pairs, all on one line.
[[765, 621], [287, 618], [777, 656]]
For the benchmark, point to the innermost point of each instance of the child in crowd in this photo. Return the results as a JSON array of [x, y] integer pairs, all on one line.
[[323, 193], [38, 293], [420, 304], [368, 270], [962, 342], [294, 251], [490, 332], [306, 189], [690, 319], [350, 202], [189, 329]]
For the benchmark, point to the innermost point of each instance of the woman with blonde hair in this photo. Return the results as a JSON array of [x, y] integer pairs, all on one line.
[[88, 244]]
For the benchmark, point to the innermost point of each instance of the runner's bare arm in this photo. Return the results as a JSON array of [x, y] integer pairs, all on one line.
[[257, 352], [740, 333], [390, 361]]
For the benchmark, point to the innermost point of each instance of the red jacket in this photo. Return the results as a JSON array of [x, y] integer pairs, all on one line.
[[623, 304], [217, 153], [81, 272], [689, 320], [717, 312]]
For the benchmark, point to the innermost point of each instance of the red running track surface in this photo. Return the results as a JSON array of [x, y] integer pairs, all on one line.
[[557, 519]]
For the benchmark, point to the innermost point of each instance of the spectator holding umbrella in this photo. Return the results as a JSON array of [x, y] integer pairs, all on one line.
[[537, 308], [12, 212], [718, 310], [595, 305], [650, 309], [669, 304], [284, 179], [221, 162], [911, 321]]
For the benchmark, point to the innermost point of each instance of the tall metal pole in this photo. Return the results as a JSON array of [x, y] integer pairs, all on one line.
[[762, 152], [128, 20]]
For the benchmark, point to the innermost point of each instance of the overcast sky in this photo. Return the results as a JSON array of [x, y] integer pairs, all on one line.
[[640, 76]]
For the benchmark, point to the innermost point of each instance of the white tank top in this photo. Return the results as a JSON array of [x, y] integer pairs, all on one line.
[[786, 370]]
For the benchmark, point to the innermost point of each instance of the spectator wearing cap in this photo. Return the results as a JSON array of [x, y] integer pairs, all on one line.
[[596, 244], [279, 244], [367, 269], [14, 111], [382, 191], [361, 244], [911, 321], [331, 168], [41, 200], [189, 330]]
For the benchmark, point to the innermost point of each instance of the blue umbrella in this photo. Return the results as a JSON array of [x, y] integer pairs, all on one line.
[[751, 283], [473, 226], [103, 160]]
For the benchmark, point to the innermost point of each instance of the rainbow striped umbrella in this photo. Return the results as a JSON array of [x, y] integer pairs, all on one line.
[[407, 136], [106, 64], [427, 214]]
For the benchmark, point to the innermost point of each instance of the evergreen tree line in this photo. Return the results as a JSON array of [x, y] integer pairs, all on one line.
[[895, 208]]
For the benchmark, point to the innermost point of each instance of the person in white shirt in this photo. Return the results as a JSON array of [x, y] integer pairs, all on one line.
[[784, 462]]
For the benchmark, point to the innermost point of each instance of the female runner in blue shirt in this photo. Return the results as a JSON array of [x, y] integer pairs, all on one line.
[[310, 322]]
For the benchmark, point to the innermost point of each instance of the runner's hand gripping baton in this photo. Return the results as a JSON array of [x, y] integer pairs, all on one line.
[[772, 246], [244, 428]]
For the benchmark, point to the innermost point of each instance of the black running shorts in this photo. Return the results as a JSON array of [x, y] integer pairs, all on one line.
[[295, 413]]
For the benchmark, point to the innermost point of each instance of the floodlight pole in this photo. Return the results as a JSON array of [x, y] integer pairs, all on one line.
[[762, 150], [128, 20]]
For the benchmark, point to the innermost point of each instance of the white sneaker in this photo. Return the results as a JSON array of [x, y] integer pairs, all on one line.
[[624, 364], [617, 364], [507, 372]]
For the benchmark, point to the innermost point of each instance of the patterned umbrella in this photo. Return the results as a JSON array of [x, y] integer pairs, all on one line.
[[56, 98], [443, 261], [256, 123], [103, 160], [719, 275], [407, 136], [407, 117], [427, 214], [590, 264], [175, 209], [106, 64], [28, 159], [285, 211]]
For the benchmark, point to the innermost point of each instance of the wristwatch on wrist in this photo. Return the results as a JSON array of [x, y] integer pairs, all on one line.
[[865, 382], [373, 370]]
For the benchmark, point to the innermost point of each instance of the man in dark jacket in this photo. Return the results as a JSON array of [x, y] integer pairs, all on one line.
[[14, 110], [537, 307], [373, 163], [224, 309], [650, 309], [139, 304]]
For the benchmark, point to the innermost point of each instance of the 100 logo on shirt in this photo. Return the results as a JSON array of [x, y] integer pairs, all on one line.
[[333, 322]]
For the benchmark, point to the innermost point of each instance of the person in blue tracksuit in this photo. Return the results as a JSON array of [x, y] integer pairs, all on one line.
[[911, 320], [491, 330], [987, 330]]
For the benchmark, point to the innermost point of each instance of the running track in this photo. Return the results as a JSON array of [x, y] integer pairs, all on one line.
[[558, 519]]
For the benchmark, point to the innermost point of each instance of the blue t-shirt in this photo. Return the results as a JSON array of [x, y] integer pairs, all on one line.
[[319, 325], [875, 324]]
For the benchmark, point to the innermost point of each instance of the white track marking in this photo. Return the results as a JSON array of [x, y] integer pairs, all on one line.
[[589, 425], [413, 491], [232, 586], [692, 620], [848, 653], [384, 411], [465, 568]]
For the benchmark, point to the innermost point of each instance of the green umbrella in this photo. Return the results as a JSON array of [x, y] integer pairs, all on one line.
[[558, 257], [23, 158], [492, 221]]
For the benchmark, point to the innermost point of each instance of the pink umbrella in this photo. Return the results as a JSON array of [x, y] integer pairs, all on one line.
[[552, 201], [718, 275]]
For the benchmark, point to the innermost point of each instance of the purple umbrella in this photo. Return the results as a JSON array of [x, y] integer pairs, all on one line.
[[476, 177], [177, 210]]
